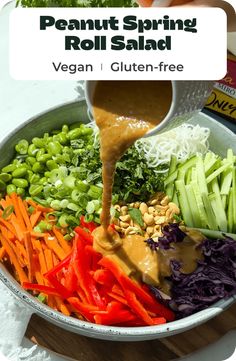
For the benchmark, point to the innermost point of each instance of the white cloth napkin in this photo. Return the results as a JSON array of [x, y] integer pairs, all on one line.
[[14, 318]]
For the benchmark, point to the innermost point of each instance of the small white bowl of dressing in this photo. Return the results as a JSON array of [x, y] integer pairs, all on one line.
[[182, 99]]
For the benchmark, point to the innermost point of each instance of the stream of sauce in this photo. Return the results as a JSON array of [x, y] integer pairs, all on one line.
[[124, 111]]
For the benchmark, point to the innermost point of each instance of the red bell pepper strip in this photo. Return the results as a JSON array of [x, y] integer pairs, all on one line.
[[87, 285], [85, 236], [104, 277], [40, 288], [81, 294], [137, 307], [89, 225], [117, 289], [59, 266], [94, 256], [124, 280], [70, 279], [117, 298], [137, 322], [114, 319], [143, 296], [84, 309], [81, 268], [159, 320], [64, 293]]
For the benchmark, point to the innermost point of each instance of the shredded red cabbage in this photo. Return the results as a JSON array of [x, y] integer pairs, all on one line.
[[171, 233], [213, 279]]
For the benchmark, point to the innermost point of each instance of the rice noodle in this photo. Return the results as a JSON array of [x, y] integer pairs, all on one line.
[[182, 142]]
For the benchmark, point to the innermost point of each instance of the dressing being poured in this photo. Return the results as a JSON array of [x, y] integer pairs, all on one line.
[[124, 111]]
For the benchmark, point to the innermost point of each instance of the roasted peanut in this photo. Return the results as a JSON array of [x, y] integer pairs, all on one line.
[[136, 204], [148, 219], [157, 228], [124, 224], [125, 218], [143, 208], [149, 230], [115, 221], [151, 210], [130, 230], [174, 208], [153, 202], [158, 207], [123, 210], [165, 201], [160, 220]]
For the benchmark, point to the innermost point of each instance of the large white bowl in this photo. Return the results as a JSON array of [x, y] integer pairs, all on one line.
[[221, 138]]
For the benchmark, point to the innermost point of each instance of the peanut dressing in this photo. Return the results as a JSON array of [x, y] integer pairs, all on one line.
[[124, 111]]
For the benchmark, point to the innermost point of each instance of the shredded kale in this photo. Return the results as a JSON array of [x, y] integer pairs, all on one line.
[[134, 180]]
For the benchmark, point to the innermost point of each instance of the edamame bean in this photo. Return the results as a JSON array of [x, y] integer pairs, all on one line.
[[44, 158], [38, 167], [30, 160], [43, 180], [74, 134], [22, 147], [60, 159], [32, 150], [29, 174], [86, 131], [11, 188], [51, 164], [19, 172], [47, 174], [54, 148], [20, 182], [35, 189], [5, 177], [65, 128], [20, 191], [9, 168], [61, 138], [39, 153], [38, 142], [34, 178]]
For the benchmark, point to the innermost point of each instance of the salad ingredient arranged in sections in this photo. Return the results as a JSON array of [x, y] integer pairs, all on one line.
[[50, 211]]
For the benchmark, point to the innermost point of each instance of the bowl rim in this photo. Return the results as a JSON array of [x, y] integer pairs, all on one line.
[[102, 331]]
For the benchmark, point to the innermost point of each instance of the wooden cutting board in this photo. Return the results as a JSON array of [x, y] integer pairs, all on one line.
[[85, 349]]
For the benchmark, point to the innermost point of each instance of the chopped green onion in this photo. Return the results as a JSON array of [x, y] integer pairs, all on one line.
[[8, 211]]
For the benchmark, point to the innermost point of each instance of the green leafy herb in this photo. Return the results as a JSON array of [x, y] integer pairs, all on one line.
[[177, 218], [136, 216]]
